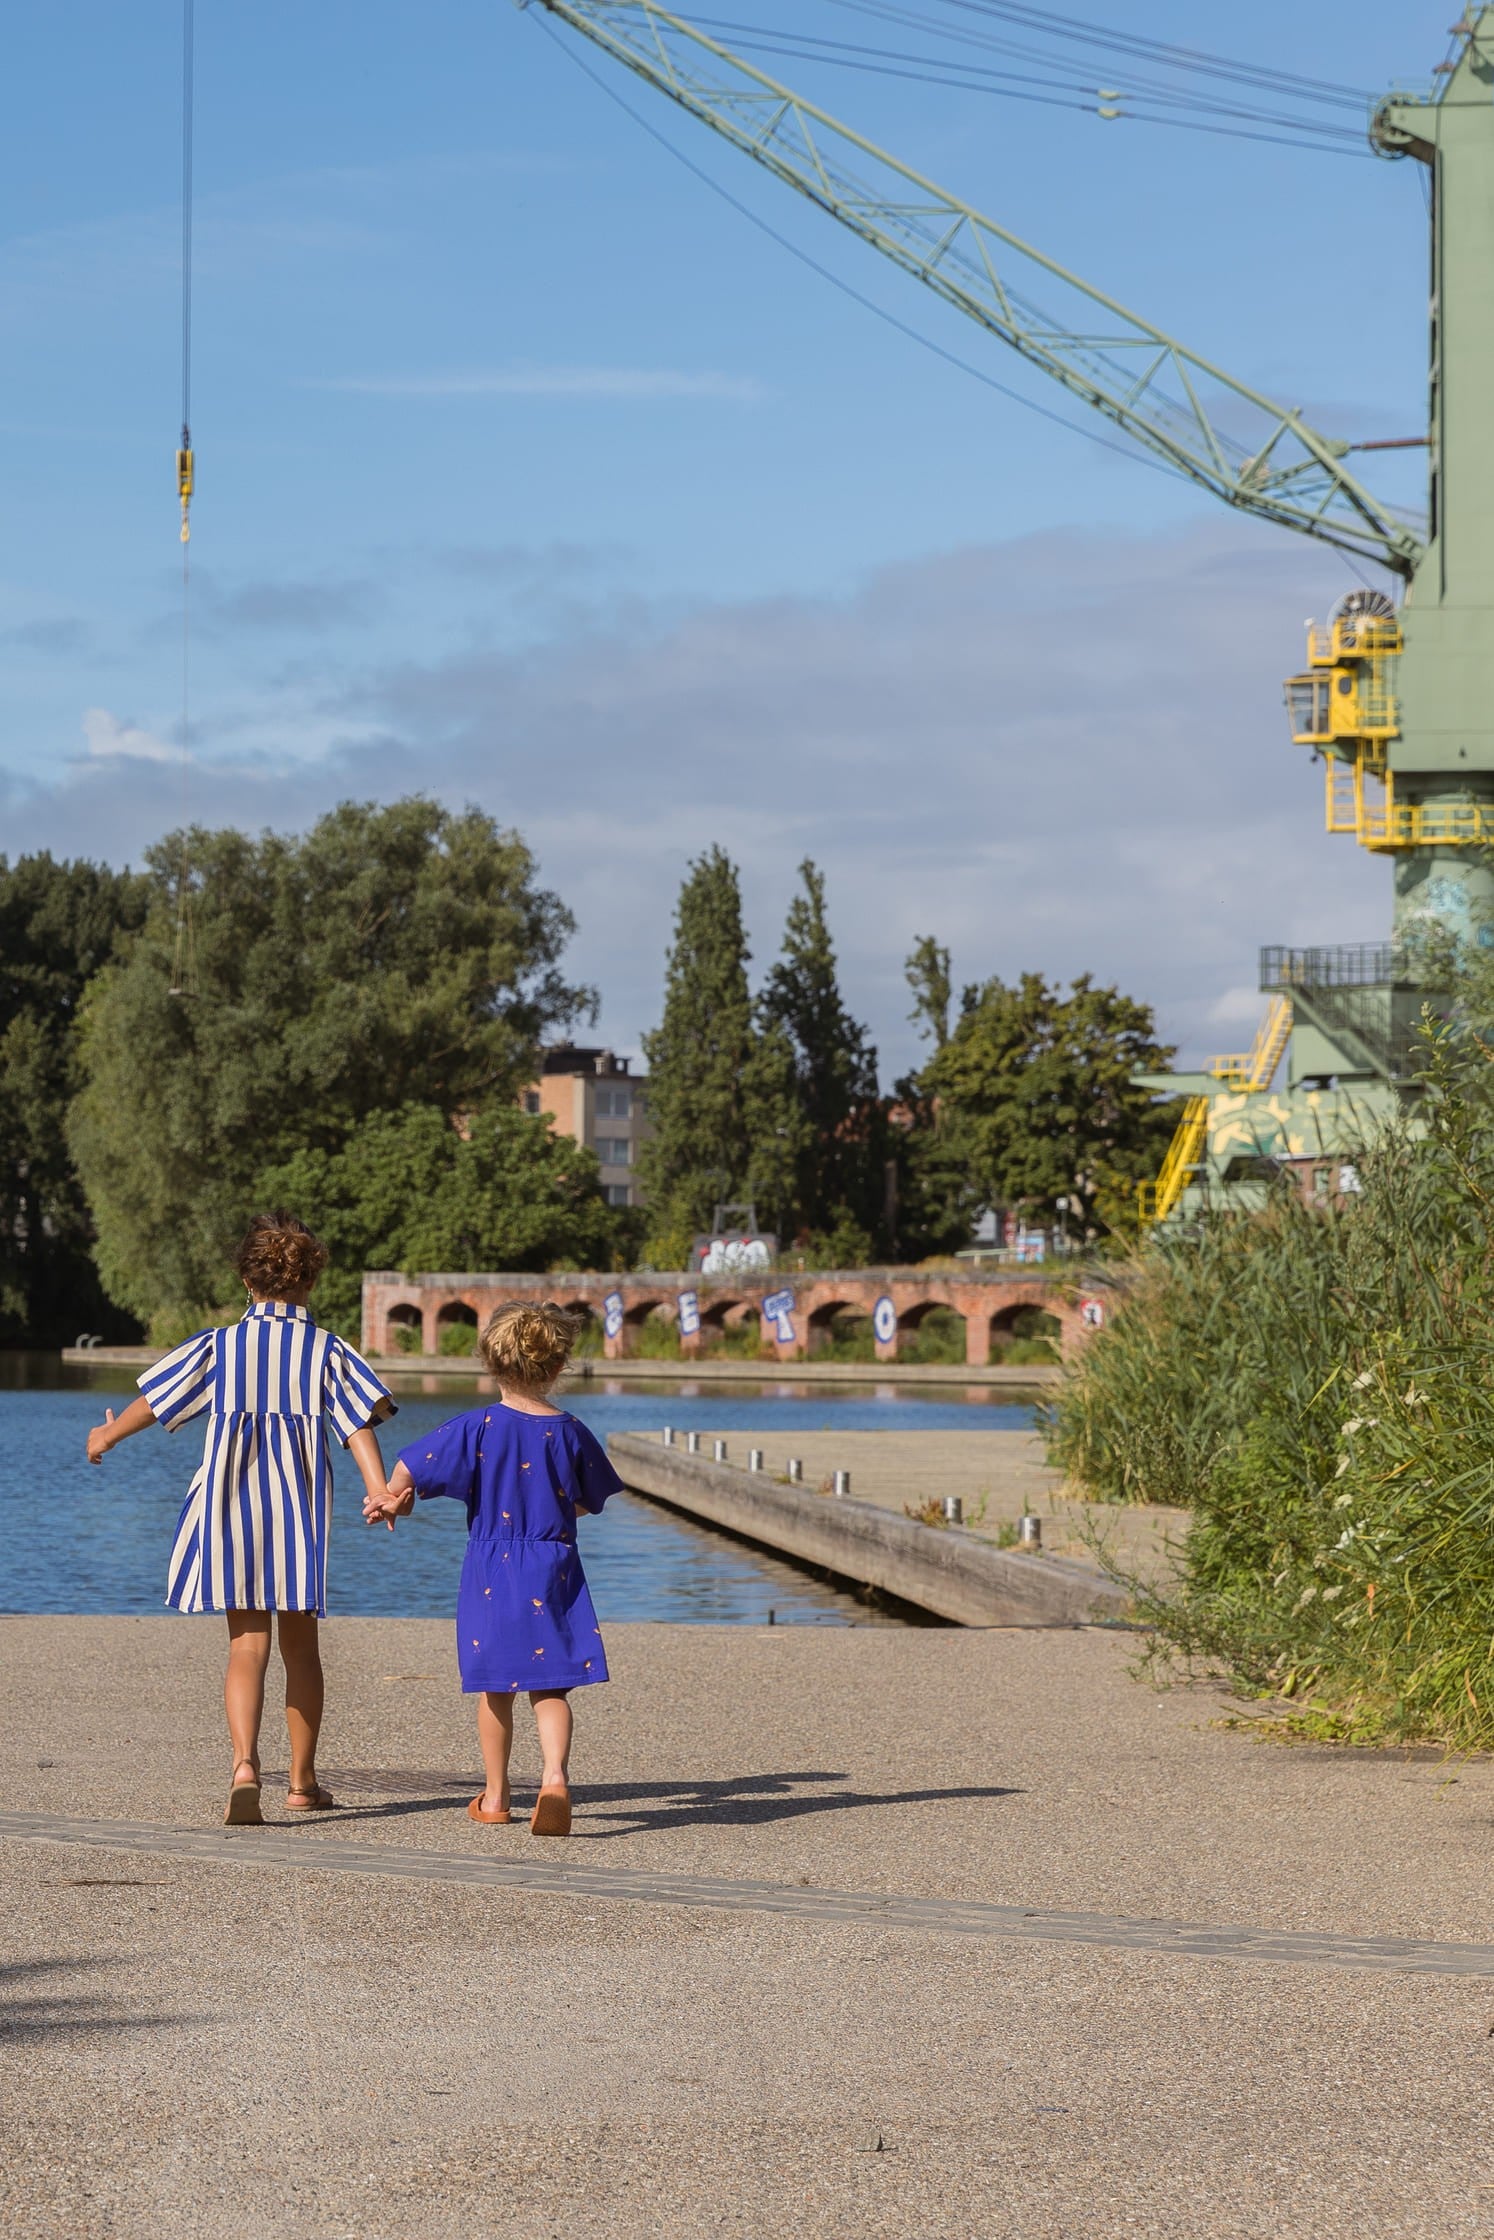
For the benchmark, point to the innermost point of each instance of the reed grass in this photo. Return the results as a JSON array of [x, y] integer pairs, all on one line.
[[1316, 1387]]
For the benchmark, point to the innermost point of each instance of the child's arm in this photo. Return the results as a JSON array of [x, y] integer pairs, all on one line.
[[108, 1434], [396, 1499], [364, 1449]]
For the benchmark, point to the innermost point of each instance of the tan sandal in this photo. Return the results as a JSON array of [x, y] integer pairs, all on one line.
[[242, 1809], [489, 1819], [552, 1813], [314, 1799]]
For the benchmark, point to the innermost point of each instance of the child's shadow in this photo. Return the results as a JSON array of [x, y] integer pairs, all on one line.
[[742, 1800], [640, 1807]]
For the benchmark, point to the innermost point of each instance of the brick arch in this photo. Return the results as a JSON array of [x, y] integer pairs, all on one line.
[[984, 1300]]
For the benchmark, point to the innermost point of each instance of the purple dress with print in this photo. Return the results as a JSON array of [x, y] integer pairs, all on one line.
[[524, 1616]]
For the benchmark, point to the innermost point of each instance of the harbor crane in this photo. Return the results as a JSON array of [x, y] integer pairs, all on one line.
[[1398, 694]]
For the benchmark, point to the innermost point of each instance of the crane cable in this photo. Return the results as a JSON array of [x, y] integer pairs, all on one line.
[[184, 957]]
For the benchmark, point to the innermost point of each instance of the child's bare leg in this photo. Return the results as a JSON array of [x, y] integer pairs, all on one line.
[[495, 1734], [302, 1657], [552, 1716], [244, 1685]]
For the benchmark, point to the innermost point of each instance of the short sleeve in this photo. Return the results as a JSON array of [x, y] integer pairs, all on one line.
[[596, 1480], [445, 1460], [181, 1383], [352, 1395]]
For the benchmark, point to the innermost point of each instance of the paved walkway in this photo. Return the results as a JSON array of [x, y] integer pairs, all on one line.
[[927, 1934]]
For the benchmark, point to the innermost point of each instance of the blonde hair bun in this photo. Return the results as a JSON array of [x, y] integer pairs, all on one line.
[[528, 1345]]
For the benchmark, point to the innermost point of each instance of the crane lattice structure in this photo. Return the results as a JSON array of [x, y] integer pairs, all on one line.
[[1398, 701]]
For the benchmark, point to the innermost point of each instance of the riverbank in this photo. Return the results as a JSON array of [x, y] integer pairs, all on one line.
[[708, 1369], [914, 1934]]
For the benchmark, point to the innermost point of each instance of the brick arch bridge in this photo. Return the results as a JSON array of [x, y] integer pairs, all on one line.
[[987, 1304]]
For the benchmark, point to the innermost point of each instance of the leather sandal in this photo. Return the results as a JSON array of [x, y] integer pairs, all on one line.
[[489, 1819], [242, 1809], [552, 1813], [314, 1799]]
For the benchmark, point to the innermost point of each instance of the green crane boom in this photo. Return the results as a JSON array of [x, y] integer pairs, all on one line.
[[1257, 455]]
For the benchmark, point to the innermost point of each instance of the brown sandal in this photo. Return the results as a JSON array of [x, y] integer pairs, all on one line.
[[242, 1809], [314, 1799], [552, 1813], [489, 1819]]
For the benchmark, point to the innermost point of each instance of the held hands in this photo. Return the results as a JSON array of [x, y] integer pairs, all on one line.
[[395, 1501], [99, 1441]]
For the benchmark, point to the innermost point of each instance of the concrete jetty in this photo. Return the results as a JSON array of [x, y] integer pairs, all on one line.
[[953, 1573]]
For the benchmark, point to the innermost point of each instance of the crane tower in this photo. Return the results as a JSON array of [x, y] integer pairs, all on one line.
[[1398, 694]]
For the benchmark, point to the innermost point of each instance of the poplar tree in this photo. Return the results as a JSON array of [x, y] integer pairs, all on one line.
[[837, 1168], [699, 1057]]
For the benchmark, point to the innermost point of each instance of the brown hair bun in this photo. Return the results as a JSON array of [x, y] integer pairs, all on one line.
[[528, 1345], [279, 1255]]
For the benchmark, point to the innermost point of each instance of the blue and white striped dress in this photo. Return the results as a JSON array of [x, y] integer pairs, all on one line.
[[253, 1532]]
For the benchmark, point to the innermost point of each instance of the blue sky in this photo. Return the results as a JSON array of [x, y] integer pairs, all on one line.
[[530, 473]]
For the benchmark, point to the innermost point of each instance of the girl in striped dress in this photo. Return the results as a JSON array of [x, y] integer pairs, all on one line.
[[252, 1537]]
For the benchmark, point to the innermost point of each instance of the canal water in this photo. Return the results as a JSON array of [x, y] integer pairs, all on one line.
[[74, 1538]]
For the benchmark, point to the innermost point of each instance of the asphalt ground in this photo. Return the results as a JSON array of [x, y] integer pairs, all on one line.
[[746, 1997]]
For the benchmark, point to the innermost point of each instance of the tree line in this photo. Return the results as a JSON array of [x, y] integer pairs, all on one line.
[[344, 1020]]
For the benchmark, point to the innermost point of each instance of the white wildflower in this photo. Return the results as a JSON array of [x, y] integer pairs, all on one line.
[[1343, 1464], [1355, 1423], [1344, 1499], [1365, 1376], [1331, 1594], [1305, 1597], [1411, 1398]]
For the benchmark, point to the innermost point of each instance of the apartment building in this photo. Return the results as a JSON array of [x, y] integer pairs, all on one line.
[[592, 1095]]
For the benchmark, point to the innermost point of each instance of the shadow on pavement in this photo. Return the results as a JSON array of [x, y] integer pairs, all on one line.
[[34, 2006], [742, 1800]]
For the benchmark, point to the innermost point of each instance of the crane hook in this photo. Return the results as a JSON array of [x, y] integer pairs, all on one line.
[[184, 465]]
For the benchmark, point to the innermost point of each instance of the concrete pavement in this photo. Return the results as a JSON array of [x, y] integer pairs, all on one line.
[[241, 2045]]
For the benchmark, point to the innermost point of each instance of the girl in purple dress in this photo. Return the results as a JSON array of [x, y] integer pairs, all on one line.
[[525, 1469]]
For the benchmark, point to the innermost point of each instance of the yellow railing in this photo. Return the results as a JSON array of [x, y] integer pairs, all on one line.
[[1247, 1069], [1352, 638], [1155, 1200], [1359, 799], [1254, 1068]]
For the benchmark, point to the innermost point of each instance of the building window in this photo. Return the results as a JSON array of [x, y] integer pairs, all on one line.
[[531, 1100], [614, 1151], [617, 1194], [614, 1103]]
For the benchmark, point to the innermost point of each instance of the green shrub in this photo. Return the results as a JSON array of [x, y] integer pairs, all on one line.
[[1315, 1385], [457, 1339]]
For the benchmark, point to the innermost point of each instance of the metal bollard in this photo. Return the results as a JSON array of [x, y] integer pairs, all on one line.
[[1029, 1532], [754, 1458], [954, 1509], [795, 1471], [669, 1434], [692, 1442], [842, 1482], [718, 1450]]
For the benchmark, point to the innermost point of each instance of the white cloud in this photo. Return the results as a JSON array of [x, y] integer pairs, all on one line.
[[1242, 1006], [628, 383], [111, 739], [1064, 754]]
